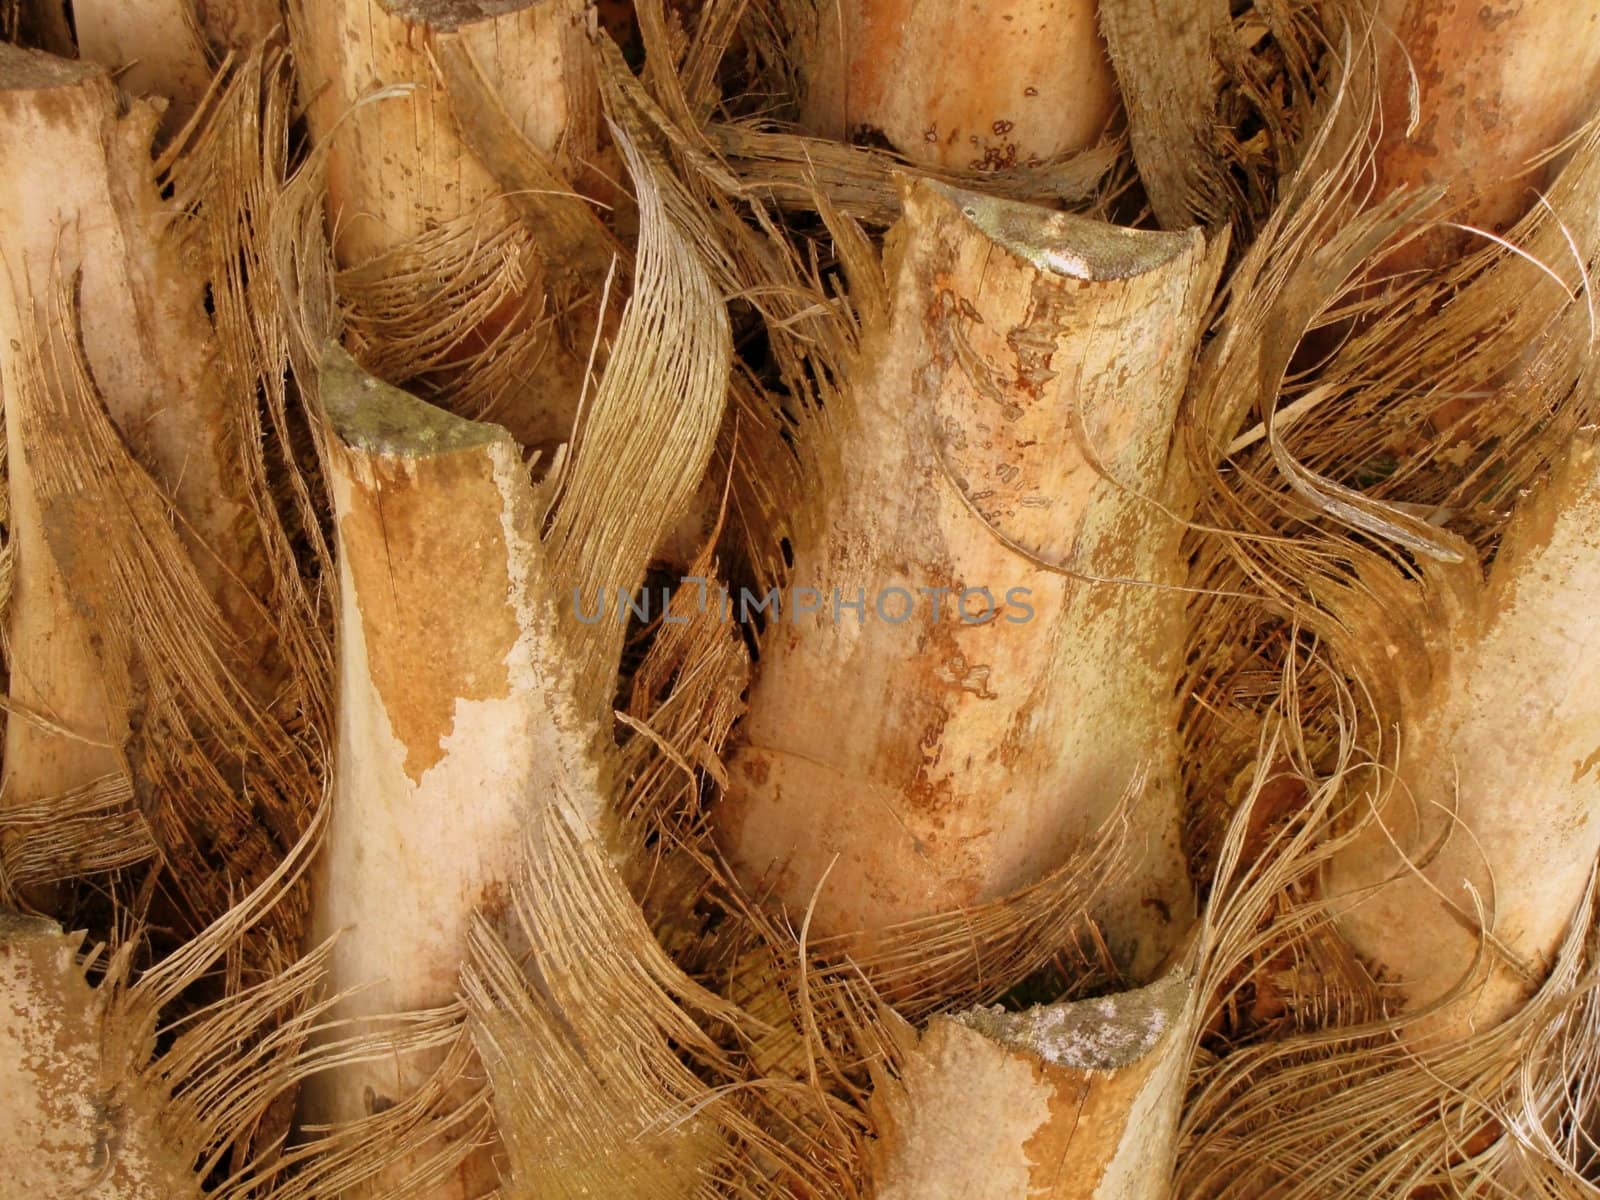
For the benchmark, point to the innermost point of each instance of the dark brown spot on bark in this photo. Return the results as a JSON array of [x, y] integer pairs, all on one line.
[[756, 768]]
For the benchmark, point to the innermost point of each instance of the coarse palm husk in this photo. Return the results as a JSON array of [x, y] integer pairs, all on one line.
[[222, 725], [1370, 437], [492, 312], [652, 1031]]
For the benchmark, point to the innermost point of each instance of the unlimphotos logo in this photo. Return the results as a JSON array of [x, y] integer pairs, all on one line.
[[893, 605]]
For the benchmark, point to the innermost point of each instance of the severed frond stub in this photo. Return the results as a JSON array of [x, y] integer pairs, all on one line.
[[1031, 84], [481, 636], [1416, 400], [1351, 1109], [158, 676], [108, 1095], [168, 50], [84, 213], [462, 146], [1073, 1101], [454, 693], [1485, 843], [1476, 102], [74, 1125], [55, 678], [997, 513]]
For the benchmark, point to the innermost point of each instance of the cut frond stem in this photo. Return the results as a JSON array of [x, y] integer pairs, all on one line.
[[168, 49], [1068, 1101], [454, 136], [452, 729], [982, 87], [1477, 861], [92, 272], [951, 744], [1475, 100]]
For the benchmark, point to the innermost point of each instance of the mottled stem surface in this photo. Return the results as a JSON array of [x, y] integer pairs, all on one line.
[[1001, 516], [984, 87], [452, 729], [1072, 1101], [1493, 823]]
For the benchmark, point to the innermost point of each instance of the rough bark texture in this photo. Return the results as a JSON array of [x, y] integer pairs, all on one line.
[[167, 48], [430, 113], [979, 86], [1496, 796], [1010, 429], [1494, 87], [451, 726], [397, 166], [80, 226], [1073, 1101], [76, 1121]]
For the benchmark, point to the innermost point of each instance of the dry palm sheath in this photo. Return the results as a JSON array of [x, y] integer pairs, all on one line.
[[767, 598]]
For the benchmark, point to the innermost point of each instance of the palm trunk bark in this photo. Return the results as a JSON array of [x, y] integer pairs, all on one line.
[[446, 126], [451, 727], [970, 674], [1491, 831], [985, 87], [1008, 458]]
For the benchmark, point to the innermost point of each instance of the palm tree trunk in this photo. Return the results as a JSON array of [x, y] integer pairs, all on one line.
[[982, 87], [990, 467], [1489, 838], [700, 903], [1067, 1102]]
